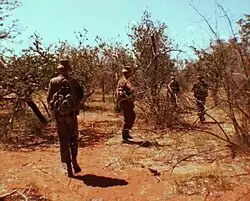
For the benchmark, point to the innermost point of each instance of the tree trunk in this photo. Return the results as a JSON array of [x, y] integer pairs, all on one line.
[[103, 90], [36, 110], [155, 63]]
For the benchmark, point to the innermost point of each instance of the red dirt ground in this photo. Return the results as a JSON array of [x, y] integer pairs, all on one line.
[[111, 171]]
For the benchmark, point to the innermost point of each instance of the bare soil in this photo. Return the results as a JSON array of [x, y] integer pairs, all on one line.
[[178, 166]]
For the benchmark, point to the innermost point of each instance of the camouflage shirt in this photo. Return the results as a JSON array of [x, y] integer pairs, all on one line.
[[125, 89], [174, 87], [200, 89], [56, 84]]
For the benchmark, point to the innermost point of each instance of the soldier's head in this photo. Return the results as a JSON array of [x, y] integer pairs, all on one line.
[[127, 71], [64, 66], [199, 77], [172, 76]]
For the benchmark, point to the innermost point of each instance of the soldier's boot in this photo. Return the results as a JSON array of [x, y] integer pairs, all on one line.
[[125, 135], [69, 170], [76, 167], [74, 152], [202, 118]]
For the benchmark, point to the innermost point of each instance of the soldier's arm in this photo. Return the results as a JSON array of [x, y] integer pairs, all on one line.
[[50, 93], [79, 92], [169, 87], [192, 89], [178, 87], [130, 87]]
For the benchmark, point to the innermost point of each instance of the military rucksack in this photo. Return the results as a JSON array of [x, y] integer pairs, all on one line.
[[62, 101]]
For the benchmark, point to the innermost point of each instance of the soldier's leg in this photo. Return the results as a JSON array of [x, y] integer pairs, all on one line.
[[63, 139], [203, 101], [201, 108], [173, 100], [126, 121], [133, 118], [74, 143], [130, 116], [65, 152]]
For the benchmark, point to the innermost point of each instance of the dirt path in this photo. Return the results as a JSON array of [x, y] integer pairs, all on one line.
[[113, 171]]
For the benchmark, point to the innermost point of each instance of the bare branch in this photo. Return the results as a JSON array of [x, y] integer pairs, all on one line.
[[205, 19]]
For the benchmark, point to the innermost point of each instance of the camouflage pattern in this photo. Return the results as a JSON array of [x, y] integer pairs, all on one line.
[[173, 90], [126, 99], [200, 90], [67, 125]]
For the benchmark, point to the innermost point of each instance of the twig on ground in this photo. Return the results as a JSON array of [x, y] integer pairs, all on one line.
[[181, 160], [23, 196], [8, 194], [33, 144], [147, 142], [248, 192], [225, 134]]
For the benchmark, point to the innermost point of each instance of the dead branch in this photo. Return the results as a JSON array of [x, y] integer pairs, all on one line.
[[23, 196], [8, 194], [206, 20], [217, 136], [225, 134], [181, 160], [241, 197], [238, 48]]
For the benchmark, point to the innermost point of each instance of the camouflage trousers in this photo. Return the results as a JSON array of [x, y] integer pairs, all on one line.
[[200, 103], [67, 129], [128, 115], [173, 99]]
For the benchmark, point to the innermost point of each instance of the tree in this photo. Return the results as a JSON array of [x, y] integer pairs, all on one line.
[[113, 57], [225, 62], [151, 48], [8, 30]]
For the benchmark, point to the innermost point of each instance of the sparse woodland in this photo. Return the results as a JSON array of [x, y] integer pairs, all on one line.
[[225, 64]]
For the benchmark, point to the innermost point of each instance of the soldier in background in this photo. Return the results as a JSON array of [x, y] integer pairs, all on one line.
[[64, 96], [200, 90], [173, 90], [126, 98]]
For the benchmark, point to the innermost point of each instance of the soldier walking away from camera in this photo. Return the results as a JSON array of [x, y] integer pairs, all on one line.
[[173, 90], [200, 90], [64, 96], [126, 98]]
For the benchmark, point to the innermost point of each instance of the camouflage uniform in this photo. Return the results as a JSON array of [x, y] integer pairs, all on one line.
[[67, 126], [173, 90], [126, 98], [200, 89]]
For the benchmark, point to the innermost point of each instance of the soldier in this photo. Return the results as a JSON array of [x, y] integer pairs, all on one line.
[[173, 90], [126, 98], [64, 96], [200, 90]]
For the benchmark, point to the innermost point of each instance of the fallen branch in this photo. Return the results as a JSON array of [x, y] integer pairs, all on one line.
[[225, 134], [45, 107], [23, 196], [181, 160], [8, 194]]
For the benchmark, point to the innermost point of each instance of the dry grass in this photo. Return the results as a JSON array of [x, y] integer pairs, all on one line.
[[195, 176]]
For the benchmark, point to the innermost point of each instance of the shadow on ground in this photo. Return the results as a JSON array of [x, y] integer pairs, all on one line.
[[101, 181], [145, 144], [19, 139], [91, 136]]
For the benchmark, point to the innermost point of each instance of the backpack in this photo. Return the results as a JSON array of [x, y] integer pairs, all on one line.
[[62, 101], [200, 90]]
